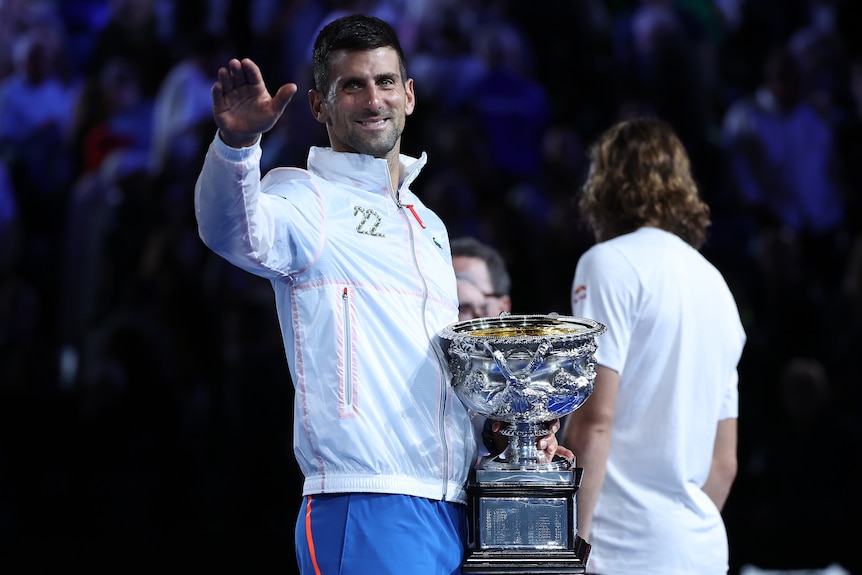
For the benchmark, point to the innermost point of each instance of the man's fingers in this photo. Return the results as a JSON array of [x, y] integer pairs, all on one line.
[[283, 96], [237, 74], [225, 82], [565, 452]]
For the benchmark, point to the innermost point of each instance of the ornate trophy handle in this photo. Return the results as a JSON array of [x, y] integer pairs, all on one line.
[[521, 380]]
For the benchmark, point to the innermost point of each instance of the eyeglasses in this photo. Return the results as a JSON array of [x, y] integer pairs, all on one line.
[[470, 310]]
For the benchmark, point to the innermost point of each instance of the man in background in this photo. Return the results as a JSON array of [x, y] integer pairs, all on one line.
[[657, 438], [483, 281]]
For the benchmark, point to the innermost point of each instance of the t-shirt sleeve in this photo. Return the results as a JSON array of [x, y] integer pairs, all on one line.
[[605, 289], [730, 405]]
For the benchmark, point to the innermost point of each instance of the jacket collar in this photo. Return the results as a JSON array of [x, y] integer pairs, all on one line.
[[361, 170]]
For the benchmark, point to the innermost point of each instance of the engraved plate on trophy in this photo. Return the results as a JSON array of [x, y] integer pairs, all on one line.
[[526, 370]]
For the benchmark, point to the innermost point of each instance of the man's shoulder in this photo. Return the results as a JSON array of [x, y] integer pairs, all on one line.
[[286, 174], [278, 180]]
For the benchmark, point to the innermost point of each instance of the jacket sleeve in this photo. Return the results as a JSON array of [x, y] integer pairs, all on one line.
[[253, 230]]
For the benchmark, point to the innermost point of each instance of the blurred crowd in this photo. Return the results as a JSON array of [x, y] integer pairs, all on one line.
[[143, 387]]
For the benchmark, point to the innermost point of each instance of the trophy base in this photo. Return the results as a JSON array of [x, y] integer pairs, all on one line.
[[524, 522], [491, 562]]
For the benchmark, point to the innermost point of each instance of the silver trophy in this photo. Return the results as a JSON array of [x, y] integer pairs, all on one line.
[[526, 370]]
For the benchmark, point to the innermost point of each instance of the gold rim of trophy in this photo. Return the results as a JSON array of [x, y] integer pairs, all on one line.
[[526, 327]]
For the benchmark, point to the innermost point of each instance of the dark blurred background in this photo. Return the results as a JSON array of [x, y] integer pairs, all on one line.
[[144, 393]]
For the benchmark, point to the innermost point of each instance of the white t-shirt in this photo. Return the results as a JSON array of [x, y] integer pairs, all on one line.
[[675, 337]]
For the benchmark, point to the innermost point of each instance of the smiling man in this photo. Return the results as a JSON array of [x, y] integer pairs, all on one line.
[[363, 283]]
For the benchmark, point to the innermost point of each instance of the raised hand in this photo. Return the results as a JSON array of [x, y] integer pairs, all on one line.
[[242, 107]]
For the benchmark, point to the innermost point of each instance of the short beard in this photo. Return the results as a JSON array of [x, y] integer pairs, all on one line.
[[377, 147]]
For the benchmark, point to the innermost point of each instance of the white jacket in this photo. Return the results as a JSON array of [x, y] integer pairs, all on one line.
[[362, 285]]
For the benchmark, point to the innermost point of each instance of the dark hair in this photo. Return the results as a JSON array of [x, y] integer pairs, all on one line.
[[640, 176], [470, 247], [353, 33]]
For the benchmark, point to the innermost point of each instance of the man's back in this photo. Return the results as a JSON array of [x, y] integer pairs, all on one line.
[[675, 338]]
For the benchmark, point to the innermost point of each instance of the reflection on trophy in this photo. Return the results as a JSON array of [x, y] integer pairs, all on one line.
[[526, 370]]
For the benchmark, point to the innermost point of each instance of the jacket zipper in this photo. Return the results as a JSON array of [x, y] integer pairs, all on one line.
[[441, 427], [415, 215], [348, 360]]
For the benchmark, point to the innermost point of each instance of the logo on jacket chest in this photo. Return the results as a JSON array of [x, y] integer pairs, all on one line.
[[367, 221]]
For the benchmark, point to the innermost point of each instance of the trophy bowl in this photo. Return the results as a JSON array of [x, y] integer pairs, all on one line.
[[527, 370]]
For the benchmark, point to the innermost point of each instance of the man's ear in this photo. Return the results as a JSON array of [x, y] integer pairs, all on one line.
[[318, 105], [410, 97]]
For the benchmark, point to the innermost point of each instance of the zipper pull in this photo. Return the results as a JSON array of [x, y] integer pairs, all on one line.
[[415, 215]]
